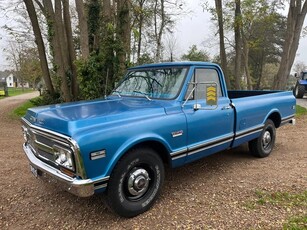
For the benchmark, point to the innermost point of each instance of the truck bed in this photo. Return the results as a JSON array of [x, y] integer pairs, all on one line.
[[232, 94], [253, 108]]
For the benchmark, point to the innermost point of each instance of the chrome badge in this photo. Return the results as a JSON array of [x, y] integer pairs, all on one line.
[[177, 133]]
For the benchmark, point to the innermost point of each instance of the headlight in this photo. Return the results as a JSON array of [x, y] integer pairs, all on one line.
[[63, 157], [25, 133]]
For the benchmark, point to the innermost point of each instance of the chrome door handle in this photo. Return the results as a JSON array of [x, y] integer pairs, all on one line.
[[226, 107]]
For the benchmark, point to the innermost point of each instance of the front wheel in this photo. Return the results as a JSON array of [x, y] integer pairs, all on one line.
[[135, 182], [264, 144]]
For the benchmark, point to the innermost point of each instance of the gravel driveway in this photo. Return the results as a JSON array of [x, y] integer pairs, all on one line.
[[224, 191], [302, 102]]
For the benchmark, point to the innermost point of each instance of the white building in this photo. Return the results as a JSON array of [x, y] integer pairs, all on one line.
[[11, 80]]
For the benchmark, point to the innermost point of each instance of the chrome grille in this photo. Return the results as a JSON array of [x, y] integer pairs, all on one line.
[[42, 143], [42, 140]]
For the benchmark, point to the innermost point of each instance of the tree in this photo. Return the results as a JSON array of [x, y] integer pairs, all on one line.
[[295, 20], [170, 47], [223, 57], [30, 67], [61, 44], [123, 33], [194, 54], [151, 21], [83, 29], [40, 45], [26, 63], [238, 43], [140, 13], [299, 67], [265, 42], [71, 50], [262, 32]]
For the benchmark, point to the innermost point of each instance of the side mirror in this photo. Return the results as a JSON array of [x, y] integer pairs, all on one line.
[[296, 76]]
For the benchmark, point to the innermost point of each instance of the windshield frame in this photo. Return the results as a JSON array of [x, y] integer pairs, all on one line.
[[152, 68]]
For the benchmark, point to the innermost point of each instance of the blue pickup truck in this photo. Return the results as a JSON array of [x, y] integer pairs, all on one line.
[[160, 115]]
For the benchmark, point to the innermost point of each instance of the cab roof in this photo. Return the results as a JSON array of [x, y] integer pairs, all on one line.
[[173, 64]]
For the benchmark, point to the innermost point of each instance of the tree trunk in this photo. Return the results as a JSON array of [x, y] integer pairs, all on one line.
[[219, 11], [40, 45], [295, 21], [83, 29], [61, 33], [246, 62], [259, 74], [57, 40], [159, 28], [71, 49], [140, 28], [238, 43], [109, 51], [123, 33]]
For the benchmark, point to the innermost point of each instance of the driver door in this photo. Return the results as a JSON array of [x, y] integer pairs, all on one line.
[[210, 128]]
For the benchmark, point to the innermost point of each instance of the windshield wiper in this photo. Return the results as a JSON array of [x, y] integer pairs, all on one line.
[[117, 93], [144, 94]]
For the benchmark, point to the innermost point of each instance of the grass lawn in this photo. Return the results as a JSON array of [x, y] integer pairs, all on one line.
[[17, 91], [283, 201], [21, 110], [300, 110]]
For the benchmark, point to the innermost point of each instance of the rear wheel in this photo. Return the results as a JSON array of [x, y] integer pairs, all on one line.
[[136, 182], [299, 90], [264, 144]]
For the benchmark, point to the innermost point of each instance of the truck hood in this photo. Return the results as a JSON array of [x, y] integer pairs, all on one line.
[[69, 118]]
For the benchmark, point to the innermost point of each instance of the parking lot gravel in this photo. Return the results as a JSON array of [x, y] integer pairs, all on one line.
[[222, 191]]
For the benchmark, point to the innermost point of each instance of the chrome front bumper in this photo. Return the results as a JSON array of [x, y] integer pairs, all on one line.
[[78, 187]]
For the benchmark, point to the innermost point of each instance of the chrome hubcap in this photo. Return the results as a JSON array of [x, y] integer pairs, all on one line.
[[138, 182], [266, 139]]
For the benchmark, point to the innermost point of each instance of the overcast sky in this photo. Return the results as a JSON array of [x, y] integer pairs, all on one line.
[[195, 28], [198, 29]]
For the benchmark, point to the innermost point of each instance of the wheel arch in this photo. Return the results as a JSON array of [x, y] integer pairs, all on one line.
[[275, 117], [158, 147], [156, 144]]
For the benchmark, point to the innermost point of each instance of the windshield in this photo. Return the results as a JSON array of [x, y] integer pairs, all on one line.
[[160, 83]]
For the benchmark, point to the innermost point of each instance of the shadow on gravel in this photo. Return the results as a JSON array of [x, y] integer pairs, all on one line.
[[178, 181]]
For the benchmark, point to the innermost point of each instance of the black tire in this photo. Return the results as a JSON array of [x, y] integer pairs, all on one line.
[[299, 90], [135, 182], [264, 144]]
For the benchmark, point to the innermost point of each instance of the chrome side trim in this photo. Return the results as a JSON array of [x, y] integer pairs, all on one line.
[[179, 154], [249, 131], [198, 148], [79, 187], [209, 146], [247, 134], [214, 142], [230, 138]]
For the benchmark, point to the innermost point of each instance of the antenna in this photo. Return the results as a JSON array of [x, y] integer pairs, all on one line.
[[106, 85]]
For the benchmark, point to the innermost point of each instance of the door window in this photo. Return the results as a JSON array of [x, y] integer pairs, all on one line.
[[201, 80]]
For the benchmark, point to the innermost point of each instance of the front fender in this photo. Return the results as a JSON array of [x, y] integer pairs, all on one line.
[[116, 140], [132, 142]]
